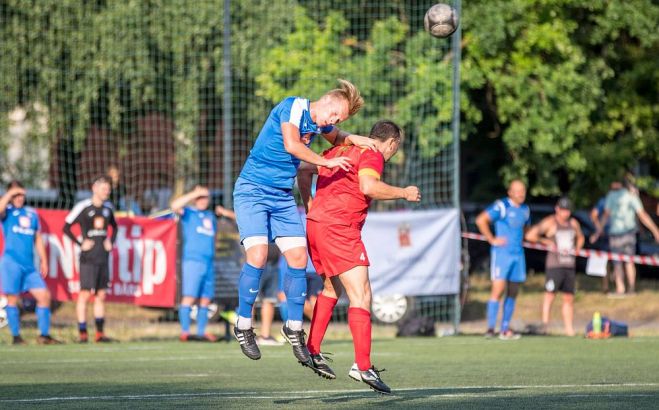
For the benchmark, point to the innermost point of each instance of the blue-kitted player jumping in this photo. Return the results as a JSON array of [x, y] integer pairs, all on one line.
[[265, 206]]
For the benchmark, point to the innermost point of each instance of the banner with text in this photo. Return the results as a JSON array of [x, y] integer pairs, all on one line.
[[142, 263], [413, 252]]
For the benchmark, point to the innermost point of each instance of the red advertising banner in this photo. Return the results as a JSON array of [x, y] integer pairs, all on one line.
[[142, 263]]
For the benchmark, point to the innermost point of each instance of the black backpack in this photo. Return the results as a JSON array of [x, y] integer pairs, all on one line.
[[416, 326]]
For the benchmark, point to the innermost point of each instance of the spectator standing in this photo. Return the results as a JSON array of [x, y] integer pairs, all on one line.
[[563, 235], [602, 243], [621, 208]]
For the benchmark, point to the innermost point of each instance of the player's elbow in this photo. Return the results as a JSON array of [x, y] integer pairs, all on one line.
[[367, 188]]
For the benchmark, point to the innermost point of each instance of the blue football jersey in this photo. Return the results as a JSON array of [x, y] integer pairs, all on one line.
[[19, 227], [509, 222], [199, 228], [268, 162]]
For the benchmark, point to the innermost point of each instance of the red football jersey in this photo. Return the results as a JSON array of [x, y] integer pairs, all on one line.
[[338, 197]]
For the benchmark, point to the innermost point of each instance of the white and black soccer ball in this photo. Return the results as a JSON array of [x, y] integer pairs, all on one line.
[[441, 20]]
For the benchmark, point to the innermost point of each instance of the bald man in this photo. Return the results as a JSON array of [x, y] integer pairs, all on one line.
[[508, 266]]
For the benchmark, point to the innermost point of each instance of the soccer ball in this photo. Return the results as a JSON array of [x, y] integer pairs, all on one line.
[[440, 20]]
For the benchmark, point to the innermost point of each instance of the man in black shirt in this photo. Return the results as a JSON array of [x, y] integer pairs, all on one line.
[[93, 216]]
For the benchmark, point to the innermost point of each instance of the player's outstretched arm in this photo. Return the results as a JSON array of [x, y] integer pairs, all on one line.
[[304, 179], [373, 188], [180, 202], [296, 148]]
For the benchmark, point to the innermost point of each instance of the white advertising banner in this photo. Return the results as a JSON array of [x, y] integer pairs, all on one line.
[[413, 252]]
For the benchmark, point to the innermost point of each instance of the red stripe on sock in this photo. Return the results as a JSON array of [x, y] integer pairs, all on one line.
[[359, 321], [322, 314]]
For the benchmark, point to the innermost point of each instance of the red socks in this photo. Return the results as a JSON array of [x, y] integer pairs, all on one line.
[[322, 314], [359, 321]]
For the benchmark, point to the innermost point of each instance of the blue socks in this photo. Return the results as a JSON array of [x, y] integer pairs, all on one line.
[[508, 309], [202, 320], [248, 289], [184, 318], [43, 320], [295, 287], [14, 319], [492, 313]]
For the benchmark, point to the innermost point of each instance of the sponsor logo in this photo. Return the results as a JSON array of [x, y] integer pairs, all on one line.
[[404, 238], [550, 286], [208, 224], [24, 221], [99, 222], [253, 291]]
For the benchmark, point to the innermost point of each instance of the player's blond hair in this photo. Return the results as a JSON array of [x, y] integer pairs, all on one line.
[[349, 92]]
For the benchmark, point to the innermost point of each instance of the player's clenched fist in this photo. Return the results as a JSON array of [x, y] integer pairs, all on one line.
[[412, 194]]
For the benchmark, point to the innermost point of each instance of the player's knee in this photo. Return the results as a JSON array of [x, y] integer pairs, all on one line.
[[43, 298], [12, 300], [257, 256], [297, 257]]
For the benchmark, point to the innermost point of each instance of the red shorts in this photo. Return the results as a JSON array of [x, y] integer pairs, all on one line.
[[334, 248]]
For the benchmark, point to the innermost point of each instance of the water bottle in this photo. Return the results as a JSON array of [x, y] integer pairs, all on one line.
[[597, 323]]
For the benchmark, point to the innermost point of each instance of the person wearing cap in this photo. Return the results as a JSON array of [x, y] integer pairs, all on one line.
[[621, 209], [562, 234], [199, 226]]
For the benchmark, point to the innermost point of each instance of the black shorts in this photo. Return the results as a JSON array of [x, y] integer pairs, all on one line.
[[94, 277], [560, 280]]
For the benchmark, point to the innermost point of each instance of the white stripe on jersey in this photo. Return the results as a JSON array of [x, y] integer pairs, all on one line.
[[77, 209], [502, 207], [297, 108]]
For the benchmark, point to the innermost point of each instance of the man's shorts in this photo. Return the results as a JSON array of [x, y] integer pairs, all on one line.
[[624, 244], [265, 211], [17, 279], [334, 248], [508, 267], [269, 286], [560, 280], [94, 277], [198, 279]]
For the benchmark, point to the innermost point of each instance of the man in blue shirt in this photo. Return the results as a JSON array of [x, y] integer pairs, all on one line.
[[199, 227], [508, 266], [20, 227], [266, 209]]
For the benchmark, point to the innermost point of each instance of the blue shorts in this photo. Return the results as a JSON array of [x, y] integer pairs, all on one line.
[[508, 267], [16, 278], [265, 211], [198, 279]]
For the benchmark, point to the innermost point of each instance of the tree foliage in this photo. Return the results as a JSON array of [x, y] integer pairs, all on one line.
[[568, 87]]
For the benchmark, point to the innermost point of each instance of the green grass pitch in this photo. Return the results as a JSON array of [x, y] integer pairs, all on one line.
[[451, 372]]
